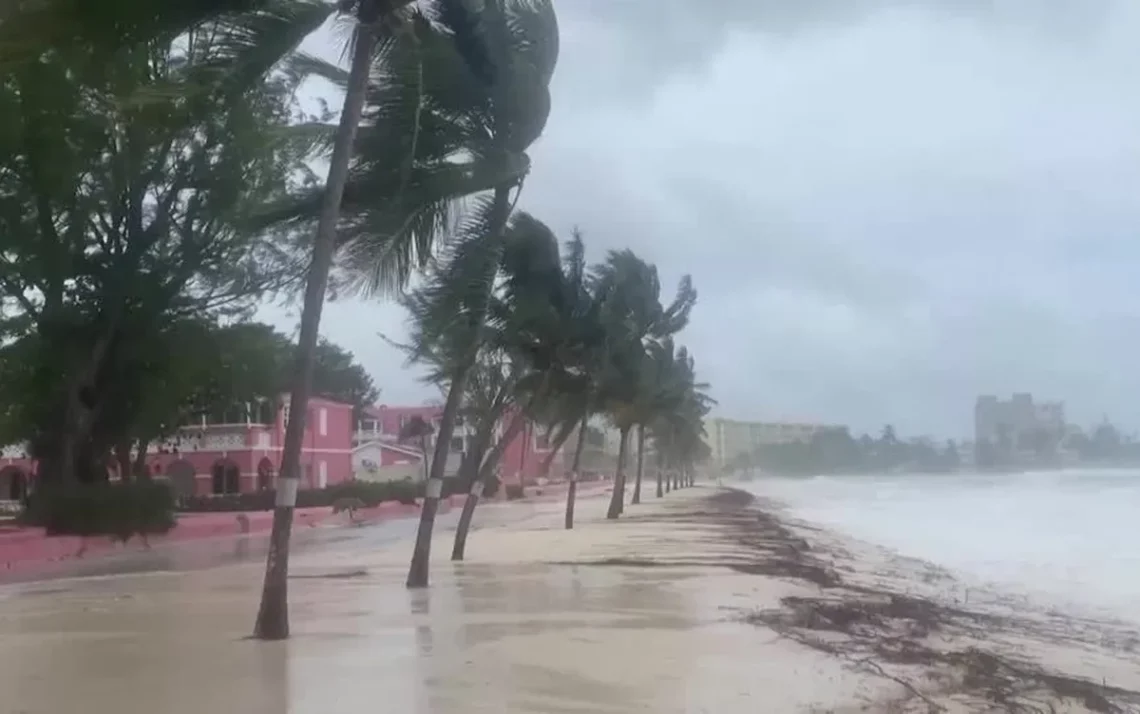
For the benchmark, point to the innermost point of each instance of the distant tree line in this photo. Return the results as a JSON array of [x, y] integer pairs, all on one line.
[[835, 450], [1044, 447]]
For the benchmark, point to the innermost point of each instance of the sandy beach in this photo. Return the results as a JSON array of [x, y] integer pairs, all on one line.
[[704, 601]]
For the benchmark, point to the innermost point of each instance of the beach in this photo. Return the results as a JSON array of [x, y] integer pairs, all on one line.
[[706, 600]]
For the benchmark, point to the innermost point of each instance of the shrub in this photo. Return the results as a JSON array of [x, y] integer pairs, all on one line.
[[514, 491], [120, 510]]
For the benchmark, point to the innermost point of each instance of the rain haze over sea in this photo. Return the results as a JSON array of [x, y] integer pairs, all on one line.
[[1069, 539]]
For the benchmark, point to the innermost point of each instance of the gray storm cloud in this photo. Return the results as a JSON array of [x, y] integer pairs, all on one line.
[[887, 207]]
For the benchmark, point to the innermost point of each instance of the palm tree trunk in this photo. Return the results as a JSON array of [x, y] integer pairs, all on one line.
[[555, 447], [572, 491], [421, 555], [468, 513], [518, 421], [617, 500], [640, 464], [273, 615], [660, 474]]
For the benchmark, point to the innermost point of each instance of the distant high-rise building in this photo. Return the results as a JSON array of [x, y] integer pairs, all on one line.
[[1017, 422]]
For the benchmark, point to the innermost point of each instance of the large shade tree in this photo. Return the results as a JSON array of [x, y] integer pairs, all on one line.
[[129, 170]]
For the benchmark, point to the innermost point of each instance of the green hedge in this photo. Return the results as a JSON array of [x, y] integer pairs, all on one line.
[[120, 510], [369, 493]]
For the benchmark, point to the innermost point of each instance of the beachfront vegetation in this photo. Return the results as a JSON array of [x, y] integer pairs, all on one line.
[[128, 178], [157, 185], [834, 450], [562, 342]]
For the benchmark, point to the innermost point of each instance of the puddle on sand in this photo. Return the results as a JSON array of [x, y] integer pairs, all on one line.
[[484, 638]]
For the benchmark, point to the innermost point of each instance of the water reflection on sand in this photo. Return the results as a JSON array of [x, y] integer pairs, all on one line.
[[503, 633], [484, 638]]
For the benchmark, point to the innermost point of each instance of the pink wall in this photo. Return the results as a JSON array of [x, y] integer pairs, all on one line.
[[249, 446], [390, 416], [259, 457], [522, 459]]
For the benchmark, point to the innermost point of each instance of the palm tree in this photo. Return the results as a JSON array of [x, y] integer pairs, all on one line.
[[633, 318], [662, 391], [678, 432], [273, 617], [432, 87], [525, 292], [508, 120], [556, 324]]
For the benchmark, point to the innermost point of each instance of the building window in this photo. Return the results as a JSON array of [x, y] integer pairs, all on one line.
[[323, 474], [324, 421]]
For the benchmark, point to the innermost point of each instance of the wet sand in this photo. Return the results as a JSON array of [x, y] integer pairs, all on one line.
[[699, 602]]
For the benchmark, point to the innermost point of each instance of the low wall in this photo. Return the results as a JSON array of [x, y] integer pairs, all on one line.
[[24, 548]]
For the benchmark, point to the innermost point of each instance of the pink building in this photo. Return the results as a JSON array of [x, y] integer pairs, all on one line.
[[238, 452], [378, 445], [525, 454]]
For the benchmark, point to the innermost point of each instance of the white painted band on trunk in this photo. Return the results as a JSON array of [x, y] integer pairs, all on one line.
[[477, 489], [434, 487], [287, 492], [573, 477]]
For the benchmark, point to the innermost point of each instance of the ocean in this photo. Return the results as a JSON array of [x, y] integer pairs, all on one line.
[[1064, 539]]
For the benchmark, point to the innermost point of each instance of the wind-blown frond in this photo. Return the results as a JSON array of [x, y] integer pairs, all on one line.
[[29, 29]]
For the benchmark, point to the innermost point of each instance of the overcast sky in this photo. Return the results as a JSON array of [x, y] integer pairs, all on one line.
[[887, 207]]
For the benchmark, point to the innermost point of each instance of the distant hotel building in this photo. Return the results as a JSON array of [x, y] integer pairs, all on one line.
[[729, 438], [1017, 420]]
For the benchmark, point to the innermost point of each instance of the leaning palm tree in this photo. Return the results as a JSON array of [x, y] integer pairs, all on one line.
[[575, 337], [678, 432], [523, 47], [542, 319], [661, 390], [273, 617], [502, 388], [634, 320], [419, 77]]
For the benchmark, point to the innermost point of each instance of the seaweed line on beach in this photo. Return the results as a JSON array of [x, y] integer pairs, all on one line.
[[886, 633]]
